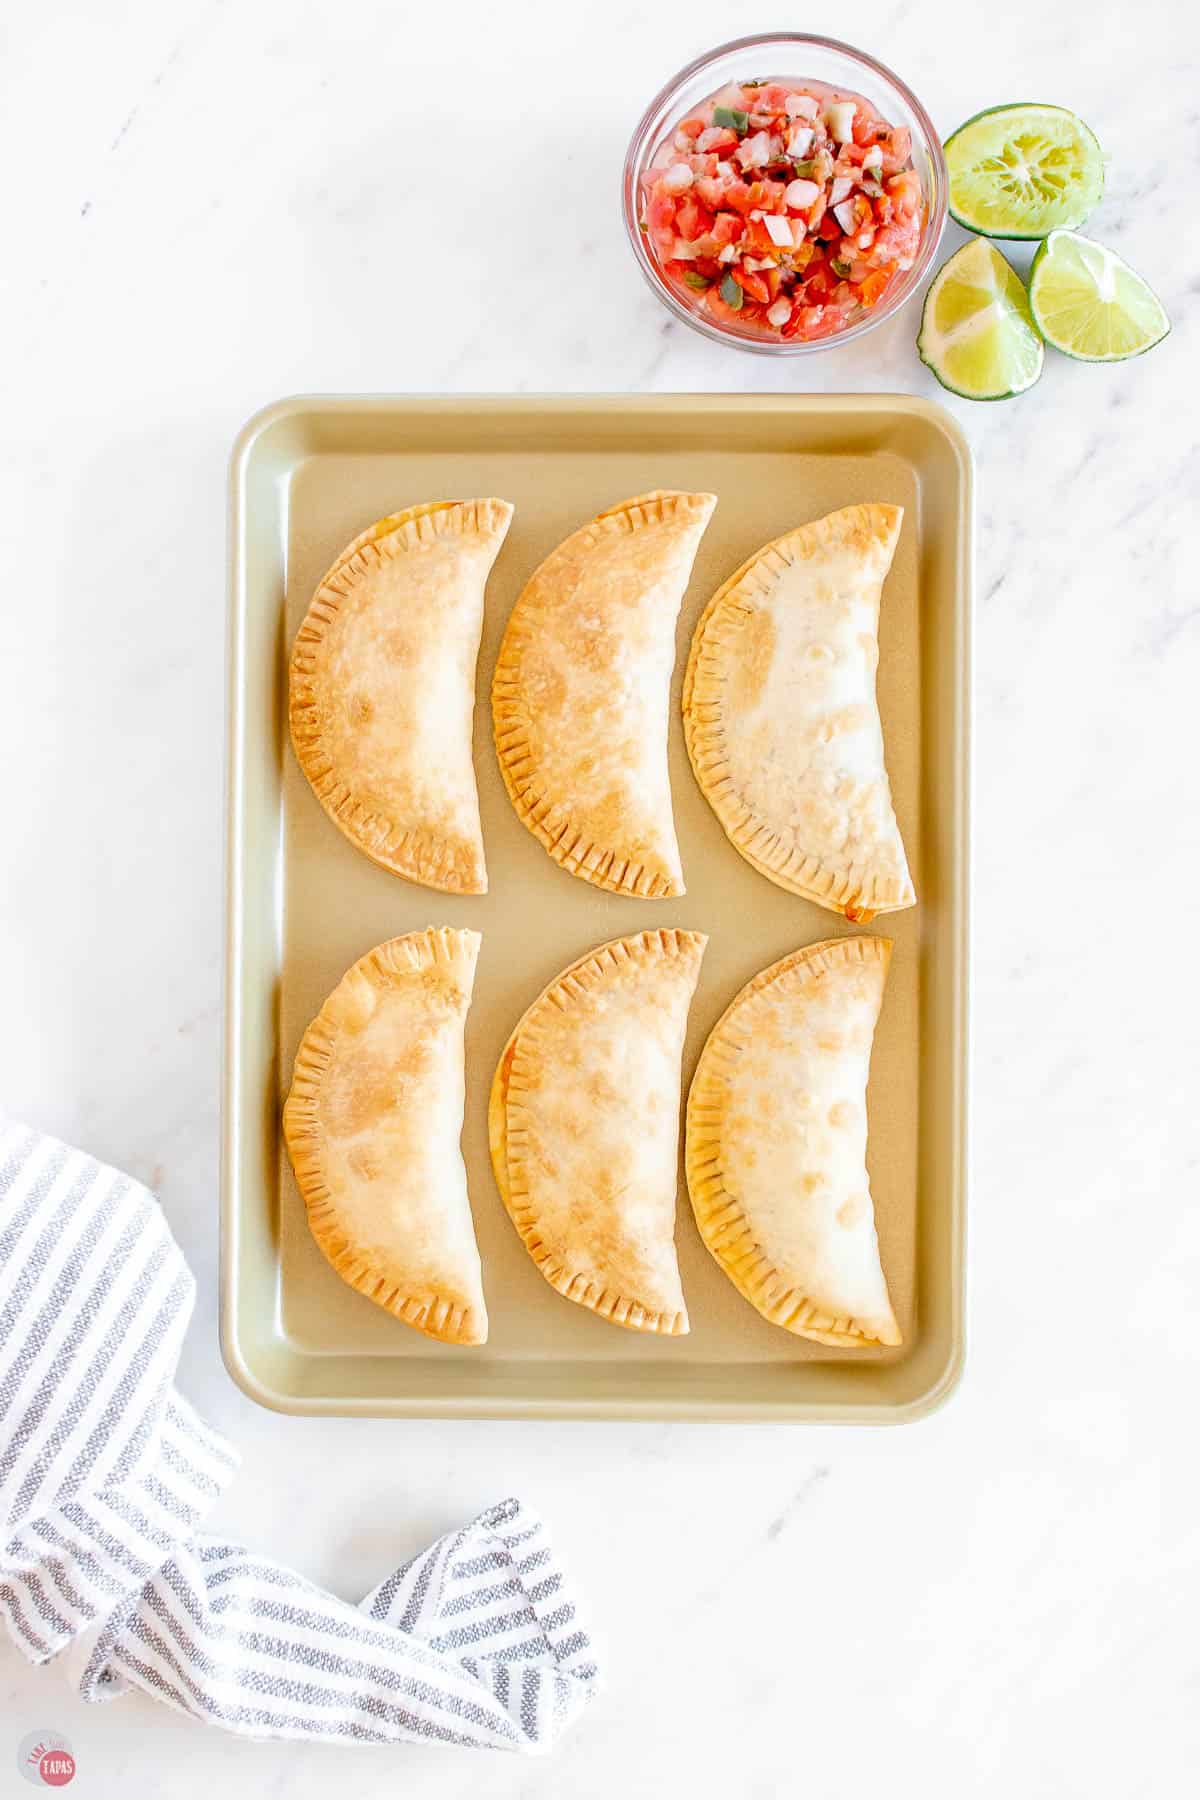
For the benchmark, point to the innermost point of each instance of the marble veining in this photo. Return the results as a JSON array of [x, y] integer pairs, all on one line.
[[209, 206]]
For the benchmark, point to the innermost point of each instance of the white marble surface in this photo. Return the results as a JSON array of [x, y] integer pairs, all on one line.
[[210, 205]]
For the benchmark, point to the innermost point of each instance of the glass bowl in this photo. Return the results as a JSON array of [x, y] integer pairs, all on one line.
[[781, 56]]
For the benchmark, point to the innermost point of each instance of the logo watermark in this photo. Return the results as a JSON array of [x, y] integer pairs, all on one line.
[[45, 1759]]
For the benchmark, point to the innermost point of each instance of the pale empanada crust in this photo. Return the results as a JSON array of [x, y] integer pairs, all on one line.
[[382, 689], [583, 1125], [581, 694], [792, 767], [788, 1235], [372, 1125]]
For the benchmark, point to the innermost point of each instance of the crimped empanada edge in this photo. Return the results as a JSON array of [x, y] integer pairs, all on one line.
[[857, 894], [575, 1285], [440, 1317], [424, 857], [715, 1209], [600, 864]]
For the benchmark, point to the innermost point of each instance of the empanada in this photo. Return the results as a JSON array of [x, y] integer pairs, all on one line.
[[372, 1124], [780, 716], [581, 694], [777, 1140], [584, 1127], [382, 689]]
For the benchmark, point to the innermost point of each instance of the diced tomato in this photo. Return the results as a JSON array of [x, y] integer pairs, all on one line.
[[718, 139], [897, 148], [844, 262], [905, 191], [692, 221], [738, 195], [867, 127], [751, 283], [893, 242], [774, 97], [768, 195], [873, 287], [758, 237], [727, 229], [660, 213]]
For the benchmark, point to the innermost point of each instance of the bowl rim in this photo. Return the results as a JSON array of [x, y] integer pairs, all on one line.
[[635, 157]]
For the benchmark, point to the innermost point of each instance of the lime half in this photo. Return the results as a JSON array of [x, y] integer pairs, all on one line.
[[1090, 303], [1021, 171], [977, 332]]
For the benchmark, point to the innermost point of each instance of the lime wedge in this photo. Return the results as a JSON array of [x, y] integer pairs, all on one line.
[[1021, 171], [1091, 304], [977, 332]]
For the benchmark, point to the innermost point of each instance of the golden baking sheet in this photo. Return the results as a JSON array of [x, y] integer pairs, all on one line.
[[304, 904]]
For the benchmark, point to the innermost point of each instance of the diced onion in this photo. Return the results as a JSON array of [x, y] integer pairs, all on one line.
[[779, 230], [846, 216], [683, 251], [727, 254], [755, 152], [780, 312], [725, 171], [801, 141], [874, 158], [841, 120], [801, 106], [677, 178], [800, 195], [841, 189]]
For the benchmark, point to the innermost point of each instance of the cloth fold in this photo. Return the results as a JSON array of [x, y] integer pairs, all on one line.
[[106, 1472]]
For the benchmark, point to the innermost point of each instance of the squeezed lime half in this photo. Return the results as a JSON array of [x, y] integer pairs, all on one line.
[[1023, 171], [1090, 304], [977, 332]]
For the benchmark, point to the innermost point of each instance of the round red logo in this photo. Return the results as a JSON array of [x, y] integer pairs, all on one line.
[[46, 1760], [57, 1767]]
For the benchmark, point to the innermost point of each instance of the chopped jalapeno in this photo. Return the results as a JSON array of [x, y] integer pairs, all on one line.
[[732, 294], [731, 119]]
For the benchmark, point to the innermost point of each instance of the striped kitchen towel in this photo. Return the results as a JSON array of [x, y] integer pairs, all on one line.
[[106, 1472]]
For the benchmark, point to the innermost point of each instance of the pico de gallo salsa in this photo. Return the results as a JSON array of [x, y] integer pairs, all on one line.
[[783, 210]]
